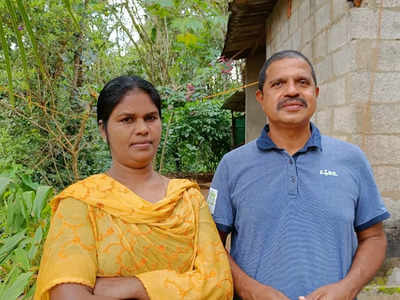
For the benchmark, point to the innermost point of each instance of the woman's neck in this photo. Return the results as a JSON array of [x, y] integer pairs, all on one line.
[[144, 182], [127, 175]]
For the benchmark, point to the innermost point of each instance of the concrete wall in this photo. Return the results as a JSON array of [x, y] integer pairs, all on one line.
[[255, 117], [356, 54]]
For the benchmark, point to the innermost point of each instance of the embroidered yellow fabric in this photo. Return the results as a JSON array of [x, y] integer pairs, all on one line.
[[100, 228]]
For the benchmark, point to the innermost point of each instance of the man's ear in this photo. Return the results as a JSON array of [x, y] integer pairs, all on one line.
[[259, 96], [102, 130], [316, 92]]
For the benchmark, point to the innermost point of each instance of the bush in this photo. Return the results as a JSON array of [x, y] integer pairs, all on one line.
[[198, 137], [24, 222]]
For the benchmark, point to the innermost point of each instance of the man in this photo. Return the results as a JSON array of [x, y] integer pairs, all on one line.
[[303, 209]]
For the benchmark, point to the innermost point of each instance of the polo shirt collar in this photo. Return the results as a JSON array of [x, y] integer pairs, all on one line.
[[264, 142]]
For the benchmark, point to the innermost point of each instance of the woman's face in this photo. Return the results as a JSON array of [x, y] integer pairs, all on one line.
[[133, 130]]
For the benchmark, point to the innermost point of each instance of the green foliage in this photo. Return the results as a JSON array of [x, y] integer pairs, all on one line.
[[8, 63], [48, 128], [200, 133], [57, 55], [24, 219], [379, 280], [15, 285], [389, 290]]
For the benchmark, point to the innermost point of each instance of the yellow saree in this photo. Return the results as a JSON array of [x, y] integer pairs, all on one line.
[[100, 228]]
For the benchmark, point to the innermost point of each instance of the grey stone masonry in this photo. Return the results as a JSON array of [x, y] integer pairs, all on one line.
[[356, 54]]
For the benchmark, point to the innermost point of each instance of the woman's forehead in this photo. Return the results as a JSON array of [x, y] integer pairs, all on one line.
[[136, 102]]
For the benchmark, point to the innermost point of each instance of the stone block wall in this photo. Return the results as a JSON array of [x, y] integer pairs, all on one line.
[[356, 55], [255, 117]]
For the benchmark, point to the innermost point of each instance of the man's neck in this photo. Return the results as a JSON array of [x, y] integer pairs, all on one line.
[[291, 139]]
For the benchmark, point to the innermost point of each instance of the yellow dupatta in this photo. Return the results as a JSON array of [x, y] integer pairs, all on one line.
[[172, 246]]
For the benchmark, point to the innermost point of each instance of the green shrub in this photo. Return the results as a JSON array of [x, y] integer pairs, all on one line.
[[24, 221]]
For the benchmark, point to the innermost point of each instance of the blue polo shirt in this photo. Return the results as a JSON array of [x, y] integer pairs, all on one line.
[[294, 219]]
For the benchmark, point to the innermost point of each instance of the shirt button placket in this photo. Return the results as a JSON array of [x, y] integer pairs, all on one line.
[[292, 177]]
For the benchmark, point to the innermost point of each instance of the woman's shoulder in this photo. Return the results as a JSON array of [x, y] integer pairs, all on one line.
[[72, 206], [80, 189], [182, 184], [188, 189]]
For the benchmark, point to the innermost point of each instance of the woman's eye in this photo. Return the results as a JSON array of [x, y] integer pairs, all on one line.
[[151, 118], [127, 120]]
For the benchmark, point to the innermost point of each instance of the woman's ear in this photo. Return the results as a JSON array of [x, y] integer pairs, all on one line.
[[102, 130]]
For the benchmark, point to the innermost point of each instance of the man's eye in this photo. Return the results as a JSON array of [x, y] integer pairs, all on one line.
[[277, 84], [303, 81]]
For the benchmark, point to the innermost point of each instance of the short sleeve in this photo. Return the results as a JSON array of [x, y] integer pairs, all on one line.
[[370, 208], [69, 254], [219, 198]]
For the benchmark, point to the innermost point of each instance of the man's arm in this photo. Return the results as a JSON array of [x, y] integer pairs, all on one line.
[[367, 260], [245, 286]]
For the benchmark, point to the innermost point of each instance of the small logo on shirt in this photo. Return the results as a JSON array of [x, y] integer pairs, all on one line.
[[212, 199], [328, 173]]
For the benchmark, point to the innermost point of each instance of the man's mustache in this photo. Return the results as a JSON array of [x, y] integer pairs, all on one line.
[[288, 100]]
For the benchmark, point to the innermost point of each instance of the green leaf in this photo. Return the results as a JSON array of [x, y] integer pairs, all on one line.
[[21, 205], [11, 276], [27, 180], [21, 47], [68, 6], [43, 193], [22, 11], [16, 287], [9, 244], [22, 259], [37, 239], [188, 39], [28, 200], [195, 24], [29, 294], [11, 215], [4, 46], [16, 213], [179, 24], [4, 182], [153, 34], [166, 3]]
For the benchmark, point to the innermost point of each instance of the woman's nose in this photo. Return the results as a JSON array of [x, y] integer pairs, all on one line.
[[141, 127]]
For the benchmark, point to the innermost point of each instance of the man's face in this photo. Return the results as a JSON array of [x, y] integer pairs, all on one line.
[[289, 94]]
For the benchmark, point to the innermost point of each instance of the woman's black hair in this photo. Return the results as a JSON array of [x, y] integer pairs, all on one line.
[[117, 88]]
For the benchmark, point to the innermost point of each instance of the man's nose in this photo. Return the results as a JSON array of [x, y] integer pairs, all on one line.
[[291, 89]]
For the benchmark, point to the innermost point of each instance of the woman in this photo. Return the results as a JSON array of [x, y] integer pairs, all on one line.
[[131, 233]]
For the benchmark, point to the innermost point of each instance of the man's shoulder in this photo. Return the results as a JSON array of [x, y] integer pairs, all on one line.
[[342, 150], [242, 152], [332, 144]]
